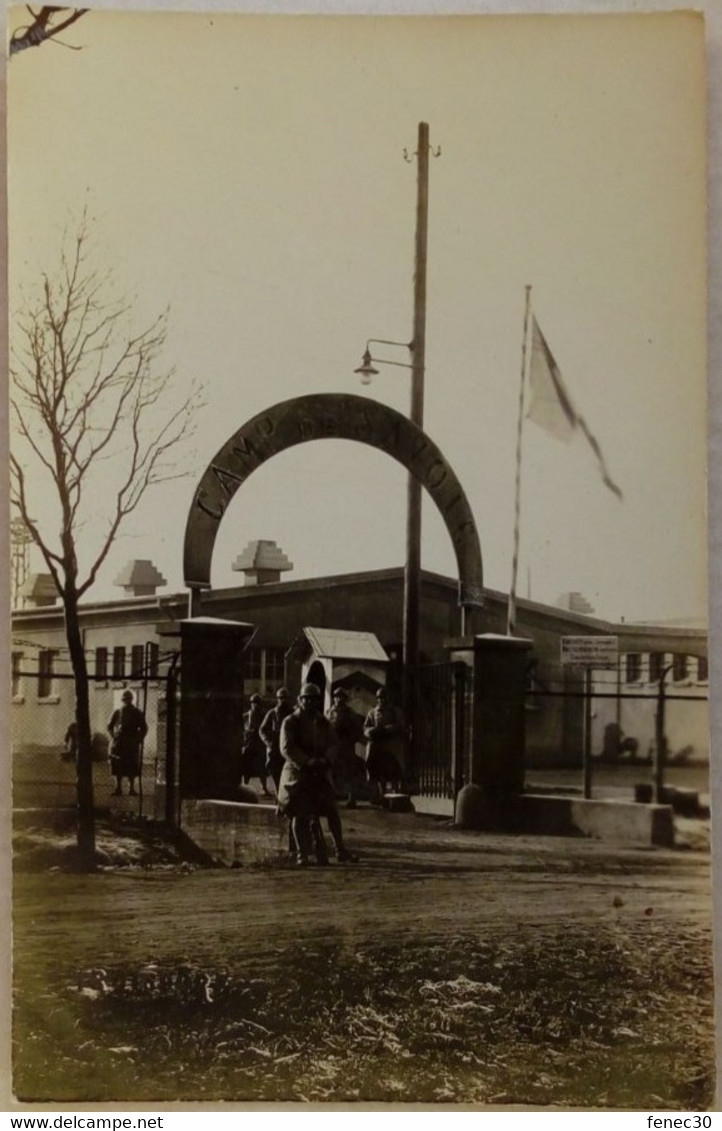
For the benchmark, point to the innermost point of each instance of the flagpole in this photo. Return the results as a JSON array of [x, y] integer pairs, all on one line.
[[511, 608]]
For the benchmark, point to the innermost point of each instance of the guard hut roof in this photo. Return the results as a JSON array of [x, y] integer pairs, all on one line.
[[345, 644]]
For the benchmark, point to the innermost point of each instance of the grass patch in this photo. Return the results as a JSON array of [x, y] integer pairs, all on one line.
[[605, 1017]]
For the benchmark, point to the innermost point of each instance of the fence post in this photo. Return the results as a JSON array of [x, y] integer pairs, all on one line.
[[144, 709], [660, 739], [587, 749], [170, 748], [458, 776]]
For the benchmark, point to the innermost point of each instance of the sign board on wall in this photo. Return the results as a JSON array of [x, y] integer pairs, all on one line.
[[590, 651]]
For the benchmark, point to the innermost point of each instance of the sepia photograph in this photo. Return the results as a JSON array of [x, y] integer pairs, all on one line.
[[358, 710]]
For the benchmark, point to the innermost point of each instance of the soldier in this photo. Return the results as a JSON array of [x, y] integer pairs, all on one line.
[[253, 751], [270, 732], [70, 742], [347, 729], [127, 729], [385, 733], [305, 790]]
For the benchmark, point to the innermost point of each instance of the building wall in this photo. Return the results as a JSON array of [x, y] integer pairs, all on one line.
[[40, 722], [282, 611], [370, 602], [39, 716], [686, 710]]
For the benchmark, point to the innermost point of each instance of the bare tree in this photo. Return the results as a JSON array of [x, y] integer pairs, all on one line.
[[91, 419], [45, 23]]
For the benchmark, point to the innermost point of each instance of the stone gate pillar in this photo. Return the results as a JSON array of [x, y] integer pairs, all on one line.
[[497, 731], [498, 726], [211, 710]]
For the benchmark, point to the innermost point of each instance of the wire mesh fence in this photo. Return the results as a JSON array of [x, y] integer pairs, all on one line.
[[602, 720], [44, 742], [625, 732]]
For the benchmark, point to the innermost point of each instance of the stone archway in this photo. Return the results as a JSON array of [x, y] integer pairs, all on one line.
[[341, 416]]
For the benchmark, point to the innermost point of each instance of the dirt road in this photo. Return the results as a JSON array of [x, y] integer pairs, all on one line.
[[565, 972]]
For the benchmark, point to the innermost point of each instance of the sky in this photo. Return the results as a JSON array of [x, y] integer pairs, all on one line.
[[248, 173]]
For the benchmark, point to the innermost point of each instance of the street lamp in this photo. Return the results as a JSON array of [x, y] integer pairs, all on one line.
[[366, 370], [417, 350]]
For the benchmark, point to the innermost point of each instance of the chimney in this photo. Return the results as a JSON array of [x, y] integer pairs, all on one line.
[[140, 578], [38, 591], [575, 602], [261, 562]]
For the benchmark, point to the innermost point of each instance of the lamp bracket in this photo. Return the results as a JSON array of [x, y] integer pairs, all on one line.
[[410, 157], [388, 342]]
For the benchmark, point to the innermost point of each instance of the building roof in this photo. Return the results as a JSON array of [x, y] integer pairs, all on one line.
[[638, 637], [345, 644]]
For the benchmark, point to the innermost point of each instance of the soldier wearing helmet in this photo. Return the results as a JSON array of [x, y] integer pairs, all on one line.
[[127, 729], [253, 752], [306, 790], [349, 770], [270, 732]]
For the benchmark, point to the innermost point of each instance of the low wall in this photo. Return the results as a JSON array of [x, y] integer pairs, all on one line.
[[235, 832], [624, 822], [620, 822]]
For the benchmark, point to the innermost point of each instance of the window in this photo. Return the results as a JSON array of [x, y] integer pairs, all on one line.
[[274, 670], [101, 663], [137, 661], [680, 668], [17, 679], [656, 666], [702, 669], [530, 673], [153, 661], [119, 662], [264, 670], [633, 672], [46, 665], [255, 663]]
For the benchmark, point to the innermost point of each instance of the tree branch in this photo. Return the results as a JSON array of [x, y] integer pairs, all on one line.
[[18, 499], [86, 392], [43, 28]]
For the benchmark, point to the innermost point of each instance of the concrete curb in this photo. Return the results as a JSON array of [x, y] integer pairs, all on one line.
[[622, 822], [235, 832]]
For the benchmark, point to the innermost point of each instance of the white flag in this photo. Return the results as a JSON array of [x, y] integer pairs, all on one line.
[[551, 406]]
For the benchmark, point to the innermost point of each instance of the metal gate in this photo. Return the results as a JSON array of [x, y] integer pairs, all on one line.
[[443, 729]]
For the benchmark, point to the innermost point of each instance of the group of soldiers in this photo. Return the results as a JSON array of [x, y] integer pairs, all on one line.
[[310, 757]]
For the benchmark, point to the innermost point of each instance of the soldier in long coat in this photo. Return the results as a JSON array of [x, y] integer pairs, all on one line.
[[385, 733], [270, 732], [127, 729], [347, 728], [306, 789], [253, 751]]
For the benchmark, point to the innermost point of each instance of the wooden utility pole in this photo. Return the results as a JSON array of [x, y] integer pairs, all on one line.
[[412, 572]]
